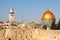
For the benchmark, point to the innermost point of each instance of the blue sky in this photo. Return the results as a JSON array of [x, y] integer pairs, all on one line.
[[28, 10]]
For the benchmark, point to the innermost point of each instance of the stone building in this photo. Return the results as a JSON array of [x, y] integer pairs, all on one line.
[[47, 18]]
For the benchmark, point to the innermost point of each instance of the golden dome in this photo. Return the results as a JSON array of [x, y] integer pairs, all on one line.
[[48, 15]]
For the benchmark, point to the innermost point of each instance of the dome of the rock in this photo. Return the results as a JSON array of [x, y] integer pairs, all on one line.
[[48, 15]]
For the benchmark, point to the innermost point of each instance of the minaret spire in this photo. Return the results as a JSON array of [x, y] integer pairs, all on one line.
[[11, 10], [11, 15]]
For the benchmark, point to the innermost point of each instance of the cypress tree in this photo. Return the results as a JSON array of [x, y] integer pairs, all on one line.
[[58, 27], [53, 26]]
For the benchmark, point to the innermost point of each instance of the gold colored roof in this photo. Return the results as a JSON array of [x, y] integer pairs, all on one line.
[[48, 15]]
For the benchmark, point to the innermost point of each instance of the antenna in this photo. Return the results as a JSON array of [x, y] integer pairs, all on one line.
[[48, 9], [22, 19]]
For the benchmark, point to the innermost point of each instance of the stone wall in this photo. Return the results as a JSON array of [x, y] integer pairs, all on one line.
[[32, 34], [29, 34]]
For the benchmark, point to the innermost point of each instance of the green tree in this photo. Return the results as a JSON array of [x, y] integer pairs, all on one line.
[[53, 25], [58, 26]]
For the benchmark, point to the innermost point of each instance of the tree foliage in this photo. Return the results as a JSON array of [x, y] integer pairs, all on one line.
[[58, 26], [53, 25]]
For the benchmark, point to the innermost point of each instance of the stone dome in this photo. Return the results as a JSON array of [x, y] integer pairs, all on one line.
[[48, 15]]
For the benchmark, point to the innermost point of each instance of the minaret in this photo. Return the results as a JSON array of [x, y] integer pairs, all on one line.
[[11, 15]]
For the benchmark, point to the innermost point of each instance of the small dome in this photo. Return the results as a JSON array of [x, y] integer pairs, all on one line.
[[48, 15], [11, 10]]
